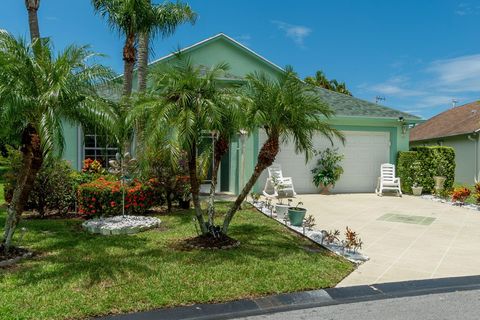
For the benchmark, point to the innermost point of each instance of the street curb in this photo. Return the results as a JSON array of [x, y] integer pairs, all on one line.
[[306, 299]]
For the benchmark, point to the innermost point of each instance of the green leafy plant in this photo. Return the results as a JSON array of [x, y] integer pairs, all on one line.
[[328, 170]]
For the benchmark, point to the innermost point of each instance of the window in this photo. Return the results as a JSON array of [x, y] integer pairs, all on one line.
[[97, 147]]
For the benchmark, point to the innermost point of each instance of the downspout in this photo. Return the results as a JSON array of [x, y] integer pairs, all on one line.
[[469, 137]]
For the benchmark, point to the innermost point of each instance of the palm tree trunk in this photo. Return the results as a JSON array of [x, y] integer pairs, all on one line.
[[129, 64], [32, 8], [221, 148], [195, 187], [265, 158], [31, 164], [142, 71]]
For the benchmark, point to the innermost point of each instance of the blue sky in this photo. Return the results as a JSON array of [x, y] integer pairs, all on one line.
[[419, 55]]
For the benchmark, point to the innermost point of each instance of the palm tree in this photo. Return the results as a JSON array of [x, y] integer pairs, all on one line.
[[320, 80], [187, 105], [130, 18], [288, 110], [232, 122], [37, 92], [32, 8], [168, 17]]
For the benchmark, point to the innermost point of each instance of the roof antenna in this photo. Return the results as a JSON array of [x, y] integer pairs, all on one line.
[[379, 98], [454, 103]]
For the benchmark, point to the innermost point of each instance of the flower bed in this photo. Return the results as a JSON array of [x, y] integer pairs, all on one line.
[[103, 197], [315, 236]]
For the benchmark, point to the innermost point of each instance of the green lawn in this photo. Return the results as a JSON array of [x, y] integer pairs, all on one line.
[[78, 275]]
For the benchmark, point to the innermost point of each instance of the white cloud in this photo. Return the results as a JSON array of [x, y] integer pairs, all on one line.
[[396, 86], [464, 9], [461, 74], [295, 32]]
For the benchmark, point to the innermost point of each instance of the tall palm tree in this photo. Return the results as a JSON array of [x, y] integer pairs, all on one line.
[[129, 18], [168, 16], [37, 92], [187, 105], [288, 110], [32, 8]]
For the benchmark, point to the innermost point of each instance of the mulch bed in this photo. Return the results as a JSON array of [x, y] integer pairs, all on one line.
[[210, 242], [14, 255]]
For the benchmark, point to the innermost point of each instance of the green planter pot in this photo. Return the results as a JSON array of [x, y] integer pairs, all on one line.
[[296, 216]]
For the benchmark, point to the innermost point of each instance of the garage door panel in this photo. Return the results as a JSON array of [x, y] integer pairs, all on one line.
[[363, 153]]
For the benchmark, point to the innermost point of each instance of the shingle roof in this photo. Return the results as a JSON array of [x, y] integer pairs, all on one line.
[[456, 121], [345, 105]]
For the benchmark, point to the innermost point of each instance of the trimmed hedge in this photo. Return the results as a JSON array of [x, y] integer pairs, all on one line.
[[103, 197], [421, 164]]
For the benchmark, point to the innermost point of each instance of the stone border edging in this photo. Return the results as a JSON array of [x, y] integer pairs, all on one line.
[[469, 206], [118, 225]]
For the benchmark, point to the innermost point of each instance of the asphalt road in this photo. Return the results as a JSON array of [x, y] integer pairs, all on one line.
[[464, 305]]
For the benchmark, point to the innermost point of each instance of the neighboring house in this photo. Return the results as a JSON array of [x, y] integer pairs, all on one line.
[[457, 128], [374, 134]]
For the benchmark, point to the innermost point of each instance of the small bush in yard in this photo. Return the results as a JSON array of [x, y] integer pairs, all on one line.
[[103, 197], [460, 194]]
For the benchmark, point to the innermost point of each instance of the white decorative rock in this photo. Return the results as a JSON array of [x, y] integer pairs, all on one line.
[[120, 225]]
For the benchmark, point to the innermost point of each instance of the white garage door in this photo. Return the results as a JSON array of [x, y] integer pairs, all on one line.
[[364, 153]]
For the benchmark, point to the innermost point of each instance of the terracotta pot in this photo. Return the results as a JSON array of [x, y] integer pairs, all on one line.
[[325, 189]]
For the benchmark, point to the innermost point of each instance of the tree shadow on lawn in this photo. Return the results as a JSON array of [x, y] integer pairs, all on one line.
[[68, 254]]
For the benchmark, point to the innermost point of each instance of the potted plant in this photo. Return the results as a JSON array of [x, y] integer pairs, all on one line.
[[327, 170], [296, 215], [280, 208], [440, 176], [417, 177], [417, 190]]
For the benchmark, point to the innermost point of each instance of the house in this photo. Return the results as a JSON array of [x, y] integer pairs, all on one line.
[[374, 134], [458, 128]]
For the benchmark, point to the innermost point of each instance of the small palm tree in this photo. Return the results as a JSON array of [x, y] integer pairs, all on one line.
[[288, 110], [37, 93], [187, 104], [232, 123], [168, 16]]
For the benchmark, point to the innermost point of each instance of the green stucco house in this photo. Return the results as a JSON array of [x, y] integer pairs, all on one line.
[[374, 134], [459, 128]]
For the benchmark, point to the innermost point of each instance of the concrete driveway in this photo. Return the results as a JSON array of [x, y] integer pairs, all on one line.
[[406, 238]]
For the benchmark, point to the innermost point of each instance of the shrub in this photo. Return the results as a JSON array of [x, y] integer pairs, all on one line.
[[421, 164], [103, 197], [460, 194]]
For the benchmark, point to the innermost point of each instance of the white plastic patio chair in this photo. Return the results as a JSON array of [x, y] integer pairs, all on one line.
[[387, 180], [284, 186]]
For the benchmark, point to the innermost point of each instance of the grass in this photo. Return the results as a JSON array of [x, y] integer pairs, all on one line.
[[78, 275]]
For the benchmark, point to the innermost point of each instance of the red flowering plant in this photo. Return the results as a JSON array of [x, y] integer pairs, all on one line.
[[460, 194], [103, 197]]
